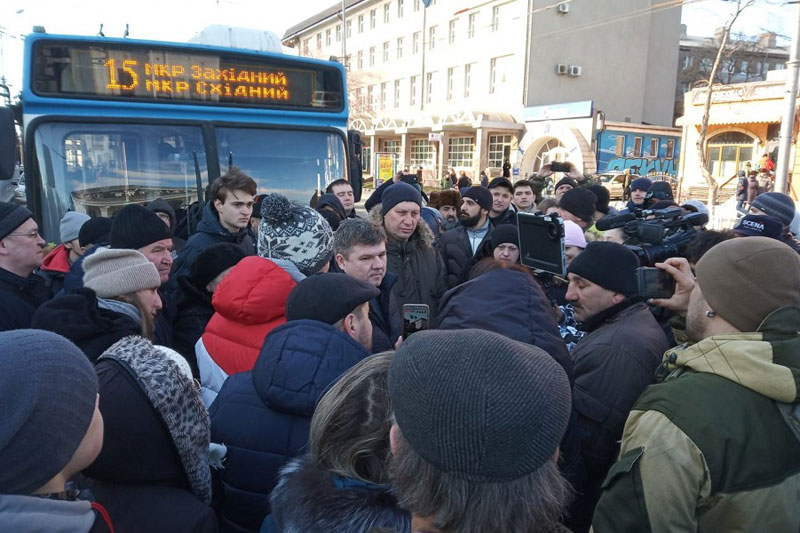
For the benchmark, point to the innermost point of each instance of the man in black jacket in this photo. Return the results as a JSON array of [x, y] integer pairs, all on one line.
[[21, 291], [502, 211], [459, 245], [613, 363]]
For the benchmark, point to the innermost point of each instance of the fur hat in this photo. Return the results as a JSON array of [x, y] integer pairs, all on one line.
[[448, 197], [295, 233], [110, 272]]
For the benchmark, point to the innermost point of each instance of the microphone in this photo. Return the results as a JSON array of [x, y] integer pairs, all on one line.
[[619, 221]]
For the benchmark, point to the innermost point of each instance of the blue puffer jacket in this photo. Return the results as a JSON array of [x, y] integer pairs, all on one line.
[[263, 416]]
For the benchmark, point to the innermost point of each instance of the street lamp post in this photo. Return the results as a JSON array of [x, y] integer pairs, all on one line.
[[789, 102]]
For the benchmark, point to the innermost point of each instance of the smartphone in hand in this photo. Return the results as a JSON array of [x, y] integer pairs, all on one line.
[[654, 283], [415, 318]]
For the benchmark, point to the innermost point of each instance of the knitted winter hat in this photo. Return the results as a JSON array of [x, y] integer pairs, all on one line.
[[641, 184], [660, 190], [48, 391], [608, 264], [71, 224], [110, 272], [479, 405], [481, 196], [776, 204], [760, 226], [744, 280], [580, 202], [566, 180], [294, 232], [603, 197], [505, 233], [135, 227], [342, 294], [162, 206], [96, 230], [11, 217], [398, 193], [213, 260], [573, 235]]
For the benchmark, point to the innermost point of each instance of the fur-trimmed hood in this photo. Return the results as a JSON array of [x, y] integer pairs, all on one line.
[[423, 232], [308, 498], [176, 400]]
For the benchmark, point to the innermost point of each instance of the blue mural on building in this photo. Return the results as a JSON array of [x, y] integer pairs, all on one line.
[[643, 153]]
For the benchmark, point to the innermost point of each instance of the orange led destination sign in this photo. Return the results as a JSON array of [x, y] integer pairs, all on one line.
[[183, 76]]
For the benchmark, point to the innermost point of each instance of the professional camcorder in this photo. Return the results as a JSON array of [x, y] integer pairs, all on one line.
[[656, 234]]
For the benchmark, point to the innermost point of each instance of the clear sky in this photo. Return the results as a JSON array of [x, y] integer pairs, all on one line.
[[179, 20]]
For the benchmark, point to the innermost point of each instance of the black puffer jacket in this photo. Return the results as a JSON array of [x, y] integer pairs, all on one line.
[[308, 498], [509, 216], [77, 316], [457, 253], [194, 310], [417, 264], [519, 310]]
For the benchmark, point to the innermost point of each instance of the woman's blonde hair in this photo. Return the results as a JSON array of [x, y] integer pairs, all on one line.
[[135, 300], [350, 428]]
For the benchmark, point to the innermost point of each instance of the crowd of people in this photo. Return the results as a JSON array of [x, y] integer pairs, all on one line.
[[256, 376]]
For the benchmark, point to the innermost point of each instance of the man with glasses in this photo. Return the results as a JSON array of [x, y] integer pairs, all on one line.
[[21, 292]]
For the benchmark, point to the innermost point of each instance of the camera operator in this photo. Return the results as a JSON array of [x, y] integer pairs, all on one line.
[[715, 446]]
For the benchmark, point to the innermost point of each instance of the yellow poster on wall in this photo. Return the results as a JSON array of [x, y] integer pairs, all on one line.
[[385, 166]]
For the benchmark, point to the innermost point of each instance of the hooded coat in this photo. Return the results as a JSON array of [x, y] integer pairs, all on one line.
[[419, 267], [193, 311], [93, 328], [54, 269], [714, 446], [162, 206], [308, 498], [519, 310], [263, 416], [24, 514], [209, 231]]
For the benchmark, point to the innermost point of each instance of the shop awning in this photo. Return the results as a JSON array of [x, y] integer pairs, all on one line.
[[767, 111]]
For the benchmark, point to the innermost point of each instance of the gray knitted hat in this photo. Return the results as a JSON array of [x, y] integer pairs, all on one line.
[[48, 390], [478, 405], [71, 224], [776, 204], [110, 272], [294, 232]]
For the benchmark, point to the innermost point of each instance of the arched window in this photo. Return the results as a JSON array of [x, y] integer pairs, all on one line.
[[552, 150], [728, 152]]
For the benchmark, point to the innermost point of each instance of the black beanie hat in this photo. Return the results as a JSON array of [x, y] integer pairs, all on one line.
[[162, 206], [603, 197], [11, 217], [608, 264], [478, 405], [659, 190], [135, 227], [213, 260], [505, 233], [96, 230], [398, 193], [481, 195], [328, 297], [580, 202], [566, 181]]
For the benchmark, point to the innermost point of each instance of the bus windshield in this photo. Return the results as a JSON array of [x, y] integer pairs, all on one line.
[[98, 168]]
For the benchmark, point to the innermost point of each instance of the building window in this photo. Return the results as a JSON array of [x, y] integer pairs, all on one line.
[[637, 147], [471, 25], [360, 56], [362, 99], [412, 91], [467, 79], [366, 159], [432, 37], [396, 93], [349, 29], [421, 152], [705, 64], [371, 96], [688, 61], [416, 5], [685, 87], [373, 16], [460, 151], [499, 149], [451, 32], [399, 48], [654, 147], [371, 56], [384, 86], [450, 76], [429, 88], [620, 149], [319, 41], [306, 44], [780, 66], [386, 13], [399, 9], [728, 152], [386, 52], [415, 43], [495, 18], [670, 150], [338, 33], [392, 146], [328, 37], [361, 24], [492, 75]]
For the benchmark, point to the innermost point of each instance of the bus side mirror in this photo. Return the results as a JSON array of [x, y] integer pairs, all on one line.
[[8, 144], [355, 165]]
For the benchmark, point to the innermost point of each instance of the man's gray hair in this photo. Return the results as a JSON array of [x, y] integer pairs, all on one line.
[[535, 502], [354, 231]]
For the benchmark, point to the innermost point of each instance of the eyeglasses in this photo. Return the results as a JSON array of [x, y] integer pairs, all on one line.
[[32, 234]]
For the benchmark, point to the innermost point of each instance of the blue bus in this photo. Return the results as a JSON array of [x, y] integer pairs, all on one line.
[[107, 122]]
